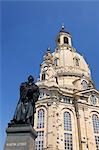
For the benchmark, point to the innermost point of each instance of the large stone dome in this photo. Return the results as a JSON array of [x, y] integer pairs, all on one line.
[[71, 62], [65, 66]]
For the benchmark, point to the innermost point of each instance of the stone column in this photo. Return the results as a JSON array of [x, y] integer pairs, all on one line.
[[81, 127], [20, 137], [89, 130], [50, 138]]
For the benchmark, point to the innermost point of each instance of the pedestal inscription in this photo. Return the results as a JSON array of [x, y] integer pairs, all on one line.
[[20, 137]]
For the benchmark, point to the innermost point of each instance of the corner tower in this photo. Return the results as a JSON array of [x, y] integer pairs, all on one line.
[[68, 106]]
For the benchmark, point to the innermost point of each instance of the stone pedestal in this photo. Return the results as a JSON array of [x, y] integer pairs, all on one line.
[[20, 137]]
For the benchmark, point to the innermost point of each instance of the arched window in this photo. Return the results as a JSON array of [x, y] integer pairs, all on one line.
[[84, 85], [65, 40], [67, 131], [67, 121], [40, 119], [43, 76], [95, 120], [76, 61], [56, 62]]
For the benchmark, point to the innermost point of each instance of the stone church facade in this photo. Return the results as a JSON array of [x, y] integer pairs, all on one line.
[[67, 112]]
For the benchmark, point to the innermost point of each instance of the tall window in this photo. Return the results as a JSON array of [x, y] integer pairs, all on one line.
[[67, 121], [39, 143], [56, 80], [43, 76], [56, 62], [65, 40], [76, 61], [68, 141], [95, 120], [67, 131], [40, 119], [97, 142]]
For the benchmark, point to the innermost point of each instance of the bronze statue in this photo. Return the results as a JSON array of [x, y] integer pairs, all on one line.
[[29, 93]]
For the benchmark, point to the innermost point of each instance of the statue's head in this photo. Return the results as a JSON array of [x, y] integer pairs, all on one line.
[[30, 78]]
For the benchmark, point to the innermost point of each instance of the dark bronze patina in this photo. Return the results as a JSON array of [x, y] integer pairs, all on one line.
[[29, 93]]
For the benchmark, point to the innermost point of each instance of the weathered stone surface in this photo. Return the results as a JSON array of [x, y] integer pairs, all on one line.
[[20, 137]]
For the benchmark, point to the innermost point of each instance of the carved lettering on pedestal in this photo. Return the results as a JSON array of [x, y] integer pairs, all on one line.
[[16, 144]]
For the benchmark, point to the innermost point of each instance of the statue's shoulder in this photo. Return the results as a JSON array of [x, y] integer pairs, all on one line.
[[35, 86], [23, 84]]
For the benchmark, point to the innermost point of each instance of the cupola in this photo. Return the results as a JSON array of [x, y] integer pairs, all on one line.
[[64, 38]]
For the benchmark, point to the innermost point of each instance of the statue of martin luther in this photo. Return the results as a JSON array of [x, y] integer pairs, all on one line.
[[29, 93]]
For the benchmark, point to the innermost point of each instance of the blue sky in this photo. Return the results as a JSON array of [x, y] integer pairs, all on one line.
[[28, 27]]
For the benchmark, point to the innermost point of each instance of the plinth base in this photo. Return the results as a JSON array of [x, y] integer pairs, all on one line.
[[20, 137]]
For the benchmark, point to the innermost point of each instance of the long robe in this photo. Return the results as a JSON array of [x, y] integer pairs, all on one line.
[[25, 109]]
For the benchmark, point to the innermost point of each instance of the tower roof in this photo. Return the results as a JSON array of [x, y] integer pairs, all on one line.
[[48, 49], [63, 30]]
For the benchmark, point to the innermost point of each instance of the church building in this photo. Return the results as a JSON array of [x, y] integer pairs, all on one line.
[[67, 111]]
